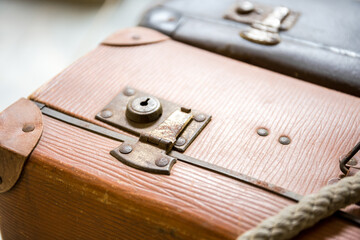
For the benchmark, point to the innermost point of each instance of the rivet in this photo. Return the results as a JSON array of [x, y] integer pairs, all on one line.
[[180, 141], [263, 132], [106, 114], [125, 148], [200, 118], [352, 162], [162, 162], [29, 127], [135, 37], [333, 181], [129, 92], [284, 140], [245, 7]]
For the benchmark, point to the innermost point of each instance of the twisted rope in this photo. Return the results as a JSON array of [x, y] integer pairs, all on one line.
[[309, 210]]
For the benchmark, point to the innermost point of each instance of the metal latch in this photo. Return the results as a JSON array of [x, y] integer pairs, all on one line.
[[162, 126], [265, 21]]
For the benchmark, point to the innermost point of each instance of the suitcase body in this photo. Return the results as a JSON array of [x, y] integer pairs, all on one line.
[[320, 44], [71, 187]]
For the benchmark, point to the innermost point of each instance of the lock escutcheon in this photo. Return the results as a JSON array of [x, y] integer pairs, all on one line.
[[144, 109]]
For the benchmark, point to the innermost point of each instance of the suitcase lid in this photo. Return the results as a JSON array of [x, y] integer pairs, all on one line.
[[309, 127]]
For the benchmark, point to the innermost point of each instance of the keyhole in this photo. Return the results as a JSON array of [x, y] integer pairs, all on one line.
[[145, 103]]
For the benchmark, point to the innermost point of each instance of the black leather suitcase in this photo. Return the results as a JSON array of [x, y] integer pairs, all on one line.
[[317, 41]]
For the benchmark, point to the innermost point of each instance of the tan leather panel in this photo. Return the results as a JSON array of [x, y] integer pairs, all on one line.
[[73, 189], [322, 124]]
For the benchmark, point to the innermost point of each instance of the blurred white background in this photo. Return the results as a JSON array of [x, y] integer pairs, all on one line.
[[39, 38]]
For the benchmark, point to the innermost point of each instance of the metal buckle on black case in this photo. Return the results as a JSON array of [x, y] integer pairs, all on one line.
[[265, 21]]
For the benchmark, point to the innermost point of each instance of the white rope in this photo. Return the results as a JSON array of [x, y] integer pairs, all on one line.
[[309, 210]]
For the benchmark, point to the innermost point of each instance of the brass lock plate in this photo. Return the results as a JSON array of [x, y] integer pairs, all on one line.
[[140, 113]]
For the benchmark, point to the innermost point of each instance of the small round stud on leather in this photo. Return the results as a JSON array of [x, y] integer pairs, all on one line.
[[162, 162], [125, 148], [28, 127], [284, 140], [106, 113], [262, 132], [129, 92]]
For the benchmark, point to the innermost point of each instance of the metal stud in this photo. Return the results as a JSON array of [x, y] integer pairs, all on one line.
[[200, 118], [162, 162], [244, 7], [284, 140], [28, 127], [129, 92], [263, 132], [125, 149], [180, 141], [106, 113]]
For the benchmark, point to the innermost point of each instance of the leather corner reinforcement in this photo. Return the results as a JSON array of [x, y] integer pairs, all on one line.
[[134, 37], [21, 127]]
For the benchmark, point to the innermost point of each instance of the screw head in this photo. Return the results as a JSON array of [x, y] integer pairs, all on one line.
[[262, 132], [129, 92], [29, 127], [284, 140], [180, 141], [200, 118], [162, 162], [106, 113], [125, 148]]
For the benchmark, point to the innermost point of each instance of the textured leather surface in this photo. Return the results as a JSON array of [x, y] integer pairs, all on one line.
[[72, 188], [322, 124], [241, 98], [323, 46]]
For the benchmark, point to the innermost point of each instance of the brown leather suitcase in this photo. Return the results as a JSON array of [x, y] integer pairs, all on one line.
[[316, 41], [102, 145]]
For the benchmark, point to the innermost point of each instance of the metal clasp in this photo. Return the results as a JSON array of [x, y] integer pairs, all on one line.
[[265, 22], [350, 163], [162, 126]]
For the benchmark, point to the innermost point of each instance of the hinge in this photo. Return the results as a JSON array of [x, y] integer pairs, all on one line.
[[162, 126], [265, 21]]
